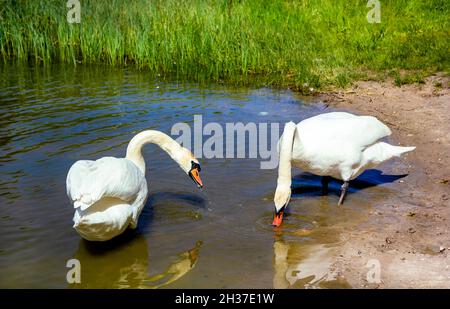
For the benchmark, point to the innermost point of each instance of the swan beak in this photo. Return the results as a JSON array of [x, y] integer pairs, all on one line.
[[278, 218], [196, 177]]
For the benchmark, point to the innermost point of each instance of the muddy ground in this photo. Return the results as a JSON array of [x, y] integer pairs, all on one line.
[[409, 236]]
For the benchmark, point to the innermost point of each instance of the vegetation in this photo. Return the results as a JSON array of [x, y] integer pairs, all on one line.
[[287, 43]]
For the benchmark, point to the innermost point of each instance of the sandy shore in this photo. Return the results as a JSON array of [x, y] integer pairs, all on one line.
[[409, 235]]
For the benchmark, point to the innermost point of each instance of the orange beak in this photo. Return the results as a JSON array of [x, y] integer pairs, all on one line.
[[196, 177], [278, 218]]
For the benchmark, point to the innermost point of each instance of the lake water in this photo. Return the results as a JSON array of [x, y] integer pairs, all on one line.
[[217, 237]]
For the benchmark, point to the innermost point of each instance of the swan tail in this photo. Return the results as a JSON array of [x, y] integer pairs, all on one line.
[[381, 152], [81, 205], [401, 150], [111, 219], [83, 202]]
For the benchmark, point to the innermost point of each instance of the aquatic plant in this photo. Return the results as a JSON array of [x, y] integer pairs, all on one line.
[[301, 44]]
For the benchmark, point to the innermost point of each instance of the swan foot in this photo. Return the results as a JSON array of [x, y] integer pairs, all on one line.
[[325, 180], [344, 189]]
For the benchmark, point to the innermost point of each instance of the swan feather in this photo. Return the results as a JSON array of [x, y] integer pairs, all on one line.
[[89, 181]]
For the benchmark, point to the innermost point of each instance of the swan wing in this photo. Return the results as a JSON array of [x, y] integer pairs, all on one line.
[[89, 181], [342, 128]]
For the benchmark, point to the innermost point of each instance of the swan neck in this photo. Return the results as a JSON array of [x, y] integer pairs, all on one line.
[[134, 149], [287, 142]]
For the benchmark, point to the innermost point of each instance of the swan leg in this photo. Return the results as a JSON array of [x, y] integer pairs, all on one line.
[[325, 180], [344, 189]]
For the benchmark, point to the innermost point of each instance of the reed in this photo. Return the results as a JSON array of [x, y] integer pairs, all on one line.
[[287, 43]]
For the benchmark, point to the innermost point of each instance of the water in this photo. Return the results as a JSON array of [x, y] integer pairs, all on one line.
[[218, 237]]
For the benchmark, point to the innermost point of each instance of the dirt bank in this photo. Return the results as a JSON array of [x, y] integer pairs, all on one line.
[[408, 235]]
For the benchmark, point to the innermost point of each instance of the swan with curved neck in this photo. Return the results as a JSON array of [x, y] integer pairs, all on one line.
[[109, 194], [339, 145], [179, 154]]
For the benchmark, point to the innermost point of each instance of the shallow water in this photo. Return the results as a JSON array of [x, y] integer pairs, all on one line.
[[218, 237]]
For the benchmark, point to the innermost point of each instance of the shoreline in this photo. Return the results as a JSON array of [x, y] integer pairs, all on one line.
[[409, 236]]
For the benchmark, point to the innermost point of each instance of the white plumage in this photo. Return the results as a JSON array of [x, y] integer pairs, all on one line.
[[109, 194], [341, 145], [338, 144]]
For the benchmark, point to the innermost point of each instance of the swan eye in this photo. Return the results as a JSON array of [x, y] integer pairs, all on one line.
[[195, 165]]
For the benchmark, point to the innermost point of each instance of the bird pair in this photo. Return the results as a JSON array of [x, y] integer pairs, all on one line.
[[109, 194]]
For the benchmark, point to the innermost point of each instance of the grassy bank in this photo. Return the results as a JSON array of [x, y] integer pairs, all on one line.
[[287, 43]]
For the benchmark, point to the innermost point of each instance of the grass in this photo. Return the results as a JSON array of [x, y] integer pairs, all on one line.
[[409, 78], [286, 43]]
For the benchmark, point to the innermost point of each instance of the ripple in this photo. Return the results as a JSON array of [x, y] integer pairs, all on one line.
[[293, 224], [51, 117]]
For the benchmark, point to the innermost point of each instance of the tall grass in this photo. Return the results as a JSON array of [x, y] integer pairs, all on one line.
[[289, 43]]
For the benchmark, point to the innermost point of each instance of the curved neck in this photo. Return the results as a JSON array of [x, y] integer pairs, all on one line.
[[165, 142], [286, 144]]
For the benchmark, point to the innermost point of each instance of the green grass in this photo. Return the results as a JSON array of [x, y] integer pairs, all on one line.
[[409, 78], [286, 43]]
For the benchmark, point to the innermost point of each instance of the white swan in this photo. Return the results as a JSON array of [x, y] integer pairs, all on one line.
[[109, 194], [340, 145]]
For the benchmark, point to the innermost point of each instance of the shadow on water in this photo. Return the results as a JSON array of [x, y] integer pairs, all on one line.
[[303, 255], [303, 266], [123, 262], [185, 197], [52, 116], [310, 185], [168, 206]]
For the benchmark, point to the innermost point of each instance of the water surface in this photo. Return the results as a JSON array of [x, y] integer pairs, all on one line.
[[218, 237]]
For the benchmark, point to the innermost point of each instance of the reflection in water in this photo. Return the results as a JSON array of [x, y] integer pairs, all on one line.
[[178, 269], [305, 247], [298, 265], [123, 262], [52, 116]]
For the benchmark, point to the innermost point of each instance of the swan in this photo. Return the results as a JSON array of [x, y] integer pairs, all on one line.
[[338, 144], [109, 194]]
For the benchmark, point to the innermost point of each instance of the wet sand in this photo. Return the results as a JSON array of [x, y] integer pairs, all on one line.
[[408, 234]]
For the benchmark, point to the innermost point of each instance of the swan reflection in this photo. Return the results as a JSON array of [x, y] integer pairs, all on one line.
[[297, 265], [124, 263]]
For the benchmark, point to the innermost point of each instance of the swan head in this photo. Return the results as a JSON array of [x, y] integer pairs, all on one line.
[[190, 165], [194, 173], [281, 200]]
